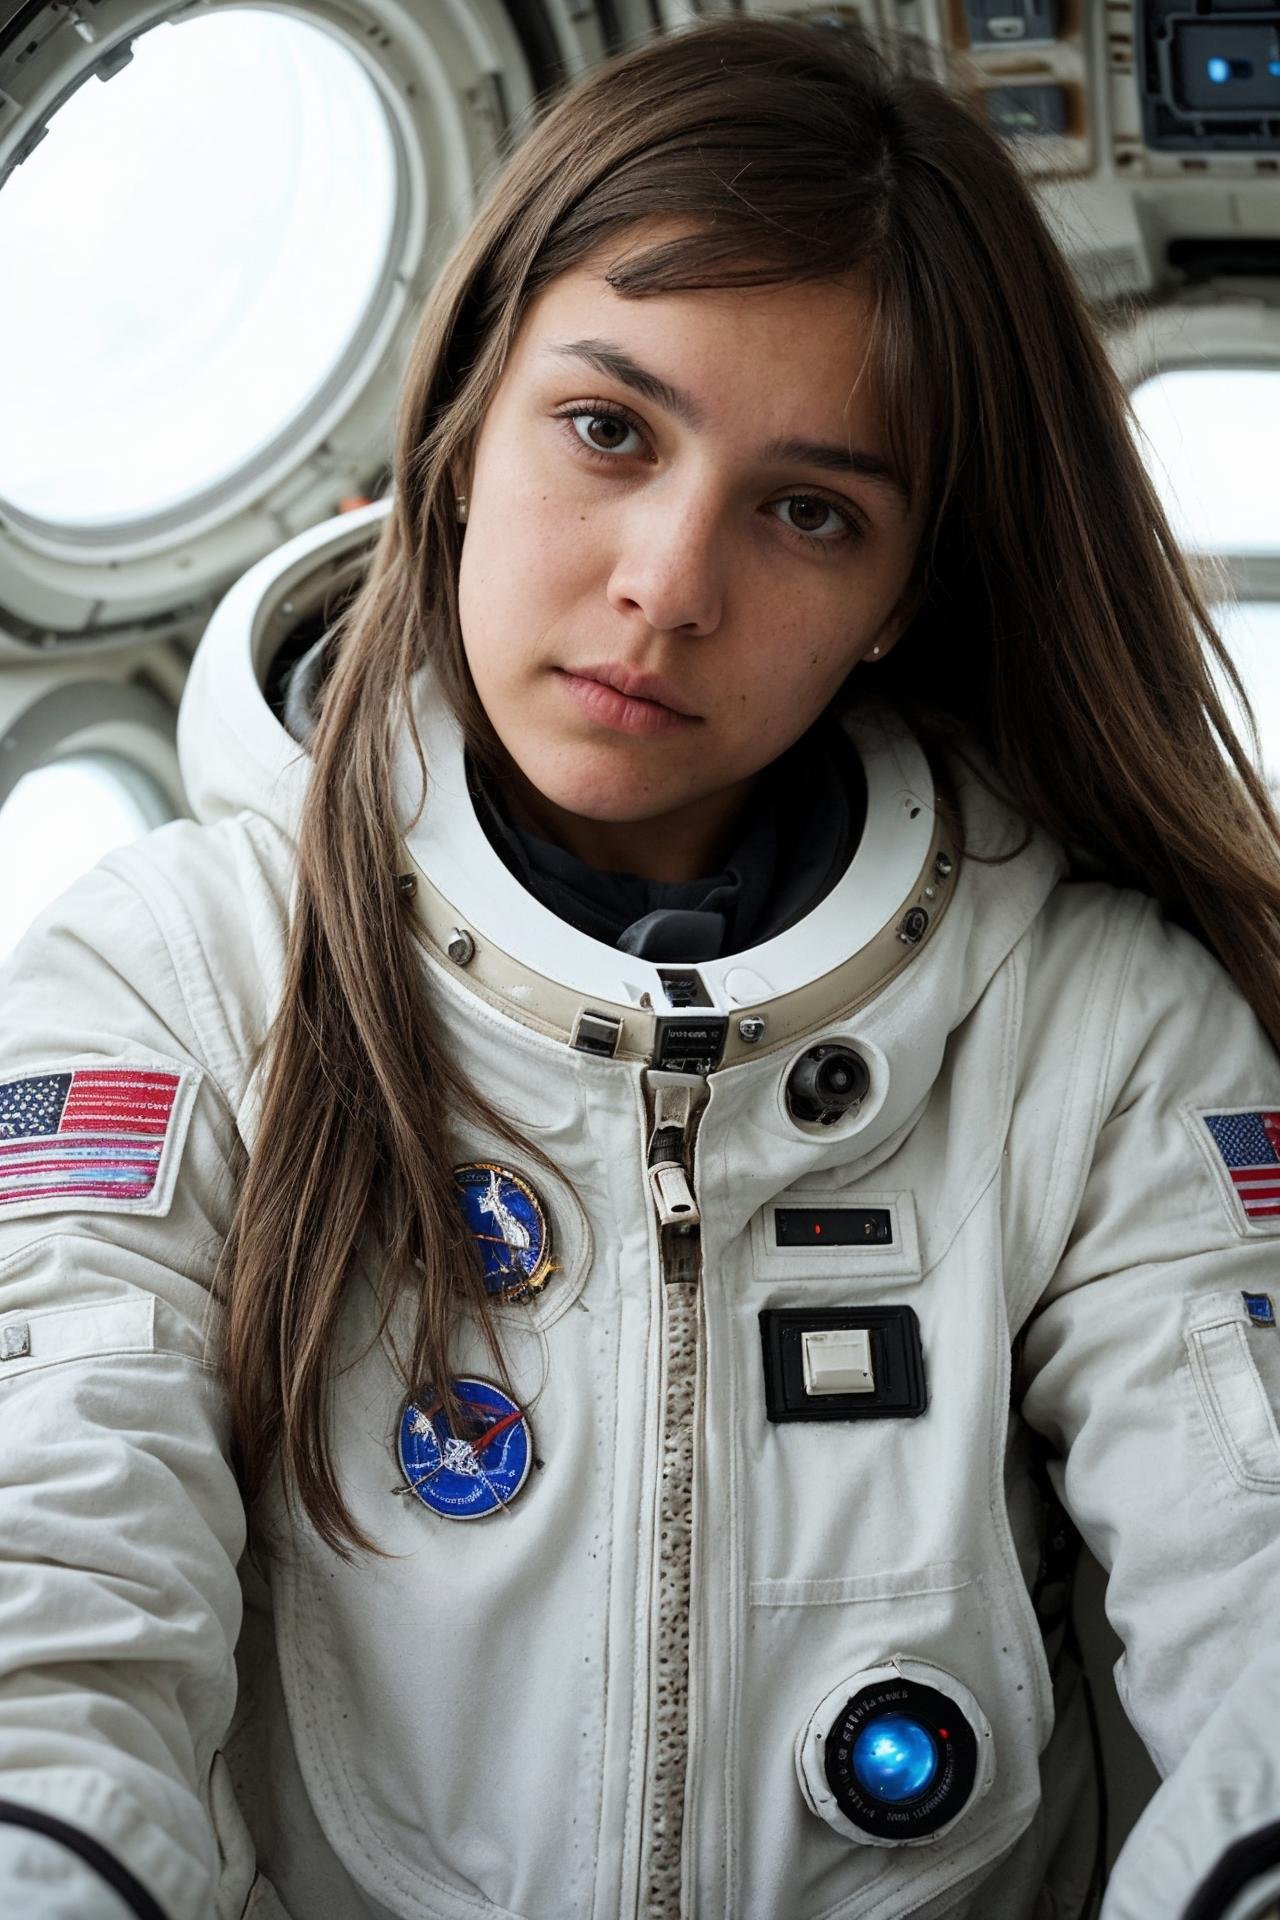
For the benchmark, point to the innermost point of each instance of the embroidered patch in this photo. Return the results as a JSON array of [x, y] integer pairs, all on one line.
[[466, 1476], [509, 1223], [1260, 1308], [1248, 1147], [96, 1136]]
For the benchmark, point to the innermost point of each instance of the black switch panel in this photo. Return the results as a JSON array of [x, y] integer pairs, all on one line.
[[897, 1363], [832, 1227]]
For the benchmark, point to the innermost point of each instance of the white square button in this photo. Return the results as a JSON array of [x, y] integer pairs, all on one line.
[[838, 1361], [15, 1341]]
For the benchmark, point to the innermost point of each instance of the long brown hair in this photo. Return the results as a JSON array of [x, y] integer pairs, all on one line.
[[1059, 628]]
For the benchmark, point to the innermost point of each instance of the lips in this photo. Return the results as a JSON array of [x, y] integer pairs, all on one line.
[[635, 685], [647, 707]]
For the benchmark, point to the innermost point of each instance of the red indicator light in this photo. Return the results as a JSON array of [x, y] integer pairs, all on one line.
[[943, 1734], [816, 1227]]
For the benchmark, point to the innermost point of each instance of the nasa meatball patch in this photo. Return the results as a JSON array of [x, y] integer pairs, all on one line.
[[1244, 1151], [104, 1139]]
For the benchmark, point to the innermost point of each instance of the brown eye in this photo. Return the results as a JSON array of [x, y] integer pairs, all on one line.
[[605, 432], [603, 425], [829, 525], [817, 510]]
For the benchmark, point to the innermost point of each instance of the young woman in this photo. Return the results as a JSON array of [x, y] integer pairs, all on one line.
[[738, 1023]]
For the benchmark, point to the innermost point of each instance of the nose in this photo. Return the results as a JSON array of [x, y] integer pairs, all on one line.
[[670, 565]]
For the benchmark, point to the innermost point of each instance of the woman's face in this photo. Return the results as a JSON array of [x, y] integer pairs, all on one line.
[[678, 545]]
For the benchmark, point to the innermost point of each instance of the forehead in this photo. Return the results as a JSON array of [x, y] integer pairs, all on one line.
[[782, 347]]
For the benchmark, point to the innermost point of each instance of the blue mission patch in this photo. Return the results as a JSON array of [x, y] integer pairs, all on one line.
[[466, 1478], [510, 1227]]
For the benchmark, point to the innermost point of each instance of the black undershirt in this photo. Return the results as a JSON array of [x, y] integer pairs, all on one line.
[[798, 832]]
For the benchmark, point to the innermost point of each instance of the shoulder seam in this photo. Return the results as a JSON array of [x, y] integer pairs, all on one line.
[[1061, 1207], [205, 1051]]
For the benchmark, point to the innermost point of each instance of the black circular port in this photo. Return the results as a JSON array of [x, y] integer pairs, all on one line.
[[826, 1083]]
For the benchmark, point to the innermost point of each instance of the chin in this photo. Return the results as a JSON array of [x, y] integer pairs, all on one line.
[[611, 795], [610, 808]]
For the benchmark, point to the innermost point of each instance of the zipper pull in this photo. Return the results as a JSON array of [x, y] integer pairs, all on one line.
[[676, 1099]]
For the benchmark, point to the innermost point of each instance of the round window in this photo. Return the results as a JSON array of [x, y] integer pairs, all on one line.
[[59, 821], [190, 250], [1209, 436]]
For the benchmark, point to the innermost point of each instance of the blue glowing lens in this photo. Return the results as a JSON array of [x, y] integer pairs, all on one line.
[[894, 1758], [1219, 71]]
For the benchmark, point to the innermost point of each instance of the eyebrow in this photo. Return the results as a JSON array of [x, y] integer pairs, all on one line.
[[618, 364]]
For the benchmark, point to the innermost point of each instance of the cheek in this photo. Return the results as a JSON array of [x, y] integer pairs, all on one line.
[[773, 693], [793, 672], [525, 565]]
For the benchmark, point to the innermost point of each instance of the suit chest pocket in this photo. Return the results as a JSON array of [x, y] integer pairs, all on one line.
[[1235, 1366]]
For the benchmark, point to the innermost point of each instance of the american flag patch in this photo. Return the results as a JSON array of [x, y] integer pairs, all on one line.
[[95, 1133], [1248, 1145]]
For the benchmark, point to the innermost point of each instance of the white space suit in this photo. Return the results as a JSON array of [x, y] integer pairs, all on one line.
[[640, 1685]]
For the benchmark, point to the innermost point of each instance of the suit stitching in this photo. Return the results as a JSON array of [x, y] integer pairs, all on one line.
[[132, 883], [1072, 1170]]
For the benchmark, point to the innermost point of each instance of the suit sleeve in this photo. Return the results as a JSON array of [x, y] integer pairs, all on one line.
[[1152, 1365], [120, 1519]]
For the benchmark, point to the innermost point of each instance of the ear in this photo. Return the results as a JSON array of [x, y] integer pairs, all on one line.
[[884, 642], [460, 469], [896, 624]]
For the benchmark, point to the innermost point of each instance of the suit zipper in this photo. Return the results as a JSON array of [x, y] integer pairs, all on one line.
[[675, 1103]]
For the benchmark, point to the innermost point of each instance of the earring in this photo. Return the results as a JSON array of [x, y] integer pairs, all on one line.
[[875, 653], [462, 506]]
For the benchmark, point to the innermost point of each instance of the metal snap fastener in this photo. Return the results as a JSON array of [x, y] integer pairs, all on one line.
[[460, 947]]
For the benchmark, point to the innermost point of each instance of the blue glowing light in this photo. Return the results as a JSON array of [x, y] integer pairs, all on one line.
[[895, 1758], [1219, 70]]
